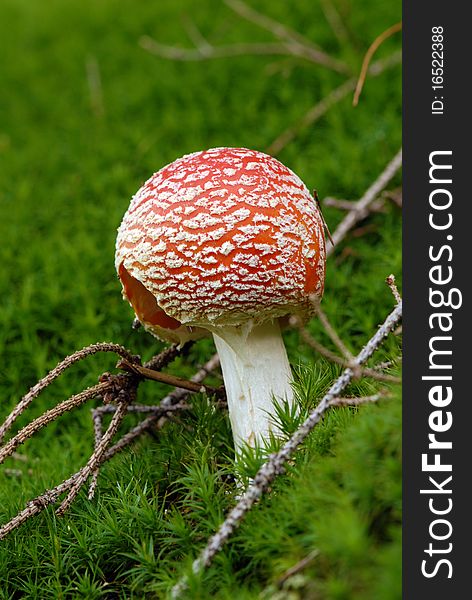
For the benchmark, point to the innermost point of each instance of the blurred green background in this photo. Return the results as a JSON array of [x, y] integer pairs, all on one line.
[[87, 114]]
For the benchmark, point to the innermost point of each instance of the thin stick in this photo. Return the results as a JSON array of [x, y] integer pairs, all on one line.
[[314, 114], [395, 196], [51, 496], [97, 418], [335, 22], [159, 361], [304, 562], [276, 463], [377, 206], [164, 358], [97, 390], [231, 50], [54, 373], [172, 399], [361, 208], [278, 29], [142, 408], [297, 43], [37, 505], [359, 372], [96, 457], [94, 81], [172, 380], [330, 330], [196, 35], [390, 280], [155, 420], [358, 401], [368, 57], [321, 108], [197, 54]]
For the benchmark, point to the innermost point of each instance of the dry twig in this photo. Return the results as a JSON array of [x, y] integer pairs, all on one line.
[[291, 43], [343, 362], [361, 208], [368, 57], [377, 206], [102, 452], [278, 29], [172, 380], [347, 359], [359, 400], [170, 400], [228, 51], [94, 81], [54, 373], [97, 455], [37, 505], [50, 415], [301, 564], [299, 44], [275, 465], [390, 280], [319, 109], [347, 205], [158, 417], [330, 330], [335, 22], [203, 53]]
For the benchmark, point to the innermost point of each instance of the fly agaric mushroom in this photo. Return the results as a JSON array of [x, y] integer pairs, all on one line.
[[226, 241]]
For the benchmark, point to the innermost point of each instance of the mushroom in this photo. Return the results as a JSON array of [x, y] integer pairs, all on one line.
[[226, 241]]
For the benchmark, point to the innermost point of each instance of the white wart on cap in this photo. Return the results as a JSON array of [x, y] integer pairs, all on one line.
[[227, 240]]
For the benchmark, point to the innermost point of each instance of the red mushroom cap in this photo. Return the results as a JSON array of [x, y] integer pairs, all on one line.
[[220, 237]]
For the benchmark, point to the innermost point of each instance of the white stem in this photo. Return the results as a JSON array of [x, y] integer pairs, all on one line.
[[255, 370]]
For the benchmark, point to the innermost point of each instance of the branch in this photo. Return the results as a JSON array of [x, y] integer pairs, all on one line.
[[348, 205], [275, 465], [58, 370], [321, 108], [360, 208], [50, 415], [121, 388], [304, 562], [332, 333], [335, 22], [101, 453], [37, 505], [195, 34], [343, 362], [228, 51], [297, 43], [377, 206], [170, 400], [291, 43], [164, 358], [98, 453], [347, 359], [278, 29], [94, 81], [390, 280], [205, 53], [368, 57], [158, 416], [173, 380], [358, 401]]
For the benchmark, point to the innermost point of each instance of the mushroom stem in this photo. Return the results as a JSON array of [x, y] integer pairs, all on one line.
[[255, 370]]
